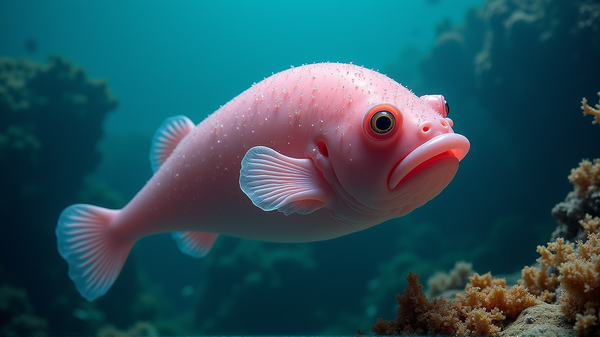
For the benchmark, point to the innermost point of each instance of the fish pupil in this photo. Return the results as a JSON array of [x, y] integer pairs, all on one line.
[[382, 122]]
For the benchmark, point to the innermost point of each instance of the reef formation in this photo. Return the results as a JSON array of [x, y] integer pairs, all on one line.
[[50, 123]]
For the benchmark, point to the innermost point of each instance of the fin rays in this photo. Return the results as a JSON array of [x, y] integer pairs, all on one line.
[[274, 181], [95, 257], [166, 139]]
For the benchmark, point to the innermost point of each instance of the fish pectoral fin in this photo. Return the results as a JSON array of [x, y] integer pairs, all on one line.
[[166, 138], [195, 244], [289, 185]]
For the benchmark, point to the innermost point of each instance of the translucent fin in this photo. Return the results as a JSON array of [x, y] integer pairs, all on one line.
[[195, 244], [94, 255], [166, 138], [274, 181]]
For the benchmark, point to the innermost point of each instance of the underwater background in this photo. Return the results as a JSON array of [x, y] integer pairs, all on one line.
[[84, 85]]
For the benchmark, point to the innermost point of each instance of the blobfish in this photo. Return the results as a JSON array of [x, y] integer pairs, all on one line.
[[310, 153]]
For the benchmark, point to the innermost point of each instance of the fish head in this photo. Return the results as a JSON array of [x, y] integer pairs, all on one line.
[[398, 154]]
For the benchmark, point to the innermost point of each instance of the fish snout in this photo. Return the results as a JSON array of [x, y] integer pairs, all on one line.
[[432, 128]]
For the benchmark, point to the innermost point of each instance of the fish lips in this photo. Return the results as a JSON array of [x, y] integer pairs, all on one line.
[[451, 143]]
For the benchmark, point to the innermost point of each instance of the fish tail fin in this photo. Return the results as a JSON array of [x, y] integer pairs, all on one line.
[[94, 254]]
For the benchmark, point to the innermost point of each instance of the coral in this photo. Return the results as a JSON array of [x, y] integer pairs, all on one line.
[[539, 283], [580, 280], [578, 274], [588, 110], [457, 278], [482, 310], [591, 225], [582, 202], [586, 177], [488, 304]]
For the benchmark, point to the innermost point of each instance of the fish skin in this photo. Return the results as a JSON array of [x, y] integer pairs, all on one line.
[[197, 187], [313, 112]]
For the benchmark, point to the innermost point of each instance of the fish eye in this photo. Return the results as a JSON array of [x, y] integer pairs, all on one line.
[[447, 108], [382, 122]]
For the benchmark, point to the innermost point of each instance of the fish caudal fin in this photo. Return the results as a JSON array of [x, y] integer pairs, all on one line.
[[94, 254], [195, 244], [166, 138]]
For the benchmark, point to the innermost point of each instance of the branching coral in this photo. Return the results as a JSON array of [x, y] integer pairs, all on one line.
[[578, 274], [586, 177], [539, 283], [457, 278], [591, 225], [588, 110], [580, 280], [585, 199], [482, 310]]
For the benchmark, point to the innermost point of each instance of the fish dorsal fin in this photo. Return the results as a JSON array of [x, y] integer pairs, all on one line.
[[289, 185], [166, 138], [195, 244]]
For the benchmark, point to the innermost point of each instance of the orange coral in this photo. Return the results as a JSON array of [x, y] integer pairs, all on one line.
[[586, 177], [539, 283], [591, 225], [588, 110], [562, 252], [487, 303], [580, 279]]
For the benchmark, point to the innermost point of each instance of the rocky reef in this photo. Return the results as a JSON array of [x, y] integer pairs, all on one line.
[[50, 123]]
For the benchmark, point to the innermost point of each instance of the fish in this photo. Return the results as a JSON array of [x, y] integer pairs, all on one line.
[[311, 153]]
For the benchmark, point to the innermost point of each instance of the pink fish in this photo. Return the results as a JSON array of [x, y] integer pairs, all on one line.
[[311, 153]]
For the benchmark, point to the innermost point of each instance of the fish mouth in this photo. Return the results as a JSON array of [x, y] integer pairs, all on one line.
[[448, 144]]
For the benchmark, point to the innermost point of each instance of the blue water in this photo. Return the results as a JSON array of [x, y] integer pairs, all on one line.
[[164, 58]]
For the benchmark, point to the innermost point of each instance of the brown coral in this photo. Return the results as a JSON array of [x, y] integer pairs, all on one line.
[[580, 279], [539, 283], [487, 303], [586, 177], [588, 110], [591, 225]]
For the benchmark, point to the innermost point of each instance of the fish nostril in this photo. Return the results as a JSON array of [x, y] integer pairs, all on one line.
[[426, 127], [444, 123]]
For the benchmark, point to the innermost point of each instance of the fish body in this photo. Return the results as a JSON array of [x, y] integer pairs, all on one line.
[[310, 153]]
